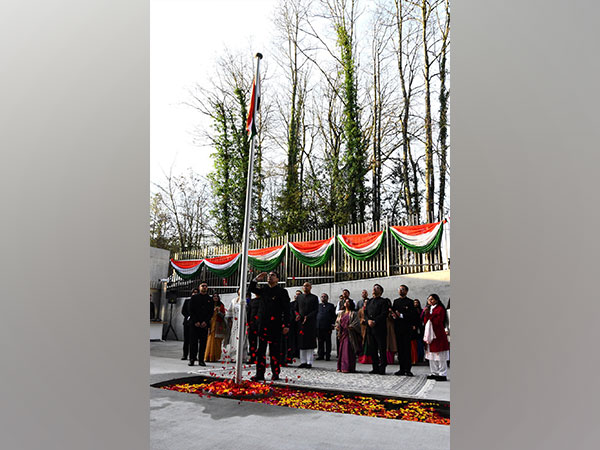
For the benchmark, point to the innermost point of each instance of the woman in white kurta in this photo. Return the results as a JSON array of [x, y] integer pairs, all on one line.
[[230, 347]]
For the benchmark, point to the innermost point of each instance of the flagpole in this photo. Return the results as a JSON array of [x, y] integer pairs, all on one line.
[[246, 239]]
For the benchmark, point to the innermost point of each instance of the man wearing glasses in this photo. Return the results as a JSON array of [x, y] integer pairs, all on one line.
[[273, 321]]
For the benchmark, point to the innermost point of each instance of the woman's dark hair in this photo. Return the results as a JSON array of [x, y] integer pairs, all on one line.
[[352, 305], [419, 302], [441, 305]]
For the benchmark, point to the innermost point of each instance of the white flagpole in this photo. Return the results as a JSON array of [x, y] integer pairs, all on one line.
[[246, 238]]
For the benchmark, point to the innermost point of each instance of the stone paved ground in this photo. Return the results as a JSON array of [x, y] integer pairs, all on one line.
[[180, 421], [323, 374]]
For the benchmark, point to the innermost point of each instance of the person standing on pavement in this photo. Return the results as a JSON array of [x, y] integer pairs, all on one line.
[[405, 324], [273, 320], [418, 334], [325, 323], [349, 331], [376, 313], [292, 336], [185, 312], [363, 354], [308, 306], [217, 331], [252, 326], [201, 311], [438, 350]]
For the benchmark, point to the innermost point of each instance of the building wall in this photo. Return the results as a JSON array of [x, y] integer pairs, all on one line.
[[159, 263], [159, 269]]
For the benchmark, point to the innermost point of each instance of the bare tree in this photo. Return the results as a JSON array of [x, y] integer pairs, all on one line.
[[185, 200]]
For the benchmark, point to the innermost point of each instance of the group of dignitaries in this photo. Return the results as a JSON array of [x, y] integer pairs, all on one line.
[[295, 328]]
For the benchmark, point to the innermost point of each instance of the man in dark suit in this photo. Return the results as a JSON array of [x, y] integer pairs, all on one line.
[[405, 322], [185, 312], [325, 322], [273, 320], [292, 337], [252, 323], [201, 311], [376, 313], [308, 306]]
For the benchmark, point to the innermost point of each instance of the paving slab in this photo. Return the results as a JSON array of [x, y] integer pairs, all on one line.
[[180, 421]]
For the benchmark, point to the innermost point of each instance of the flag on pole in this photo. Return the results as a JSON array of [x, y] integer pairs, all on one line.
[[254, 105]]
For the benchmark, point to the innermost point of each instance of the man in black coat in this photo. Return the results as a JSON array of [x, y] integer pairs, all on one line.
[[292, 337], [325, 322], [201, 311], [273, 320], [405, 322], [252, 324], [376, 313], [185, 312], [308, 306]]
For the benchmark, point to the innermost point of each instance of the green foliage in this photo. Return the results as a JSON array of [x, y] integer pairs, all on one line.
[[354, 199], [228, 180]]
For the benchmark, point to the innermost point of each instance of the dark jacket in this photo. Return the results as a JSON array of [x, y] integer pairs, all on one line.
[[201, 308], [377, 309], [326, 316], [273, 308], [185, 311], [308, 306], [406, 307], [252, 312]]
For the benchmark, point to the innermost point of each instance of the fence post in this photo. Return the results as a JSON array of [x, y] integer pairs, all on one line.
[[334, 250], [287, 258], [387, 247]]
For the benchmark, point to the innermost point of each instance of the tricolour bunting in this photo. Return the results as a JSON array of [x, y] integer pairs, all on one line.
[[312, 253], [187, 269], [223, 266], [266, 259], [419, 238], [361, 246]]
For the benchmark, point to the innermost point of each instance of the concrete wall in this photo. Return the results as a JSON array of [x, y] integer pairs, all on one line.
[[159, 263], [159, 269], [420, 285]]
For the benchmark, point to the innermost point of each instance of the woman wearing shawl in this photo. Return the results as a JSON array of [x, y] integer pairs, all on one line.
[[218, 331], [348, 328]]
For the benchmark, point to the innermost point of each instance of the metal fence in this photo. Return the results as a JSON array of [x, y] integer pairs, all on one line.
[[392, 259]]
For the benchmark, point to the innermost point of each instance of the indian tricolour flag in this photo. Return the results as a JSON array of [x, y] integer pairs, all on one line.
[[253, 110]]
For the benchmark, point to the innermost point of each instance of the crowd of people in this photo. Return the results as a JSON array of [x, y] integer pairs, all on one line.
[[373, 330]]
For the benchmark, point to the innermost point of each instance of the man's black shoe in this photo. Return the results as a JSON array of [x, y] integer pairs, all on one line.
[[275, 378], [183, 358], [441, 378], [432, 377], [201, 363], [191, 363], [399, 373], [319, 358], [382, 372], [409, 374], [327, 358], [257, 378], [309, 366], [302, 366], [373, 372]]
